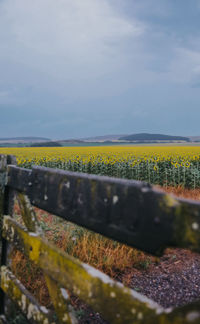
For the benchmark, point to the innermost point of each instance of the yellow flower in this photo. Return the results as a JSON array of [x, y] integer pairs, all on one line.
[[187, 164], [155, 167]]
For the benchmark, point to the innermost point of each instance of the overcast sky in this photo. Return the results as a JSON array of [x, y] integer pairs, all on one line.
[[78, 68]]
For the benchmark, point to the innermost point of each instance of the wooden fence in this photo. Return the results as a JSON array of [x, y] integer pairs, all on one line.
[[128, 211]]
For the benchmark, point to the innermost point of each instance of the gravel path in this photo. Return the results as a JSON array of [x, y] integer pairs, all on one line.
[[175, 281]]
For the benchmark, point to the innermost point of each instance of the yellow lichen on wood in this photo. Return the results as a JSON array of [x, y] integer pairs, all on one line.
[[31, 223], [186, 227], [91, 285], [61, 302], [116, 303], [27, 212], [185, 221], [25, 301]]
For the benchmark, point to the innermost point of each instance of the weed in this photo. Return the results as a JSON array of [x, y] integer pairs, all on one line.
[[144, 264], [79, 313]]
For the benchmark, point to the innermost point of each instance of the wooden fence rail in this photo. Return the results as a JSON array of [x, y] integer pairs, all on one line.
[[128, 211]]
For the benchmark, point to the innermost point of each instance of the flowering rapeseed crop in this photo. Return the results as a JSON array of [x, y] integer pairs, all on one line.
[[164, 165]]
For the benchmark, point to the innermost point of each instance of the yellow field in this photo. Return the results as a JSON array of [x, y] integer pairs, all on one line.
[[107, 153], [164, 165]]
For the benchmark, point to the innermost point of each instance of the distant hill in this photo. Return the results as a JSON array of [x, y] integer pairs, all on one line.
[[29, 139], [70, 141], [103, 138], [153, 137], [46, 144], [194, 138], [97, 140]]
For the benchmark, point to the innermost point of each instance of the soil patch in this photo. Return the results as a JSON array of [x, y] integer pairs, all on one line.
[[175, 281]]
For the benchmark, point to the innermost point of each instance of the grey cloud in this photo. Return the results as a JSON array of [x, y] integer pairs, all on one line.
[[71, 67]]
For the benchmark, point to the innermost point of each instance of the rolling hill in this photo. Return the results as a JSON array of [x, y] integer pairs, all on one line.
[[146, 137], [23, 139]]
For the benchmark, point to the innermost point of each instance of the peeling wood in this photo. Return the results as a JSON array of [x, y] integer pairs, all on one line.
[[61, 302], [3, 319], [6, 206], [89, 284], [25, 301], [3, 177], [188, 314], [19, 178], [128, 211], [61, 306], [28, 213], [94, 287]]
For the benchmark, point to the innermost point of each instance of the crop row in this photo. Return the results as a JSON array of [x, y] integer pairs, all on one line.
[[166, 166]]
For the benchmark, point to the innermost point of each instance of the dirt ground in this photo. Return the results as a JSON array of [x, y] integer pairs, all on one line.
[[174, 281]]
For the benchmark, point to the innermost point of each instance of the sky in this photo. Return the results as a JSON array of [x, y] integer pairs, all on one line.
[[80, 68]]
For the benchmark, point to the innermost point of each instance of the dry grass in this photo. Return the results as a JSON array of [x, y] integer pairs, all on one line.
[[182, 192], [107, 255], [31, 277]]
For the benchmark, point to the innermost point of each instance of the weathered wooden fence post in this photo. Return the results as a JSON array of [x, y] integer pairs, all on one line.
[[6, 207], [3, 166]]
